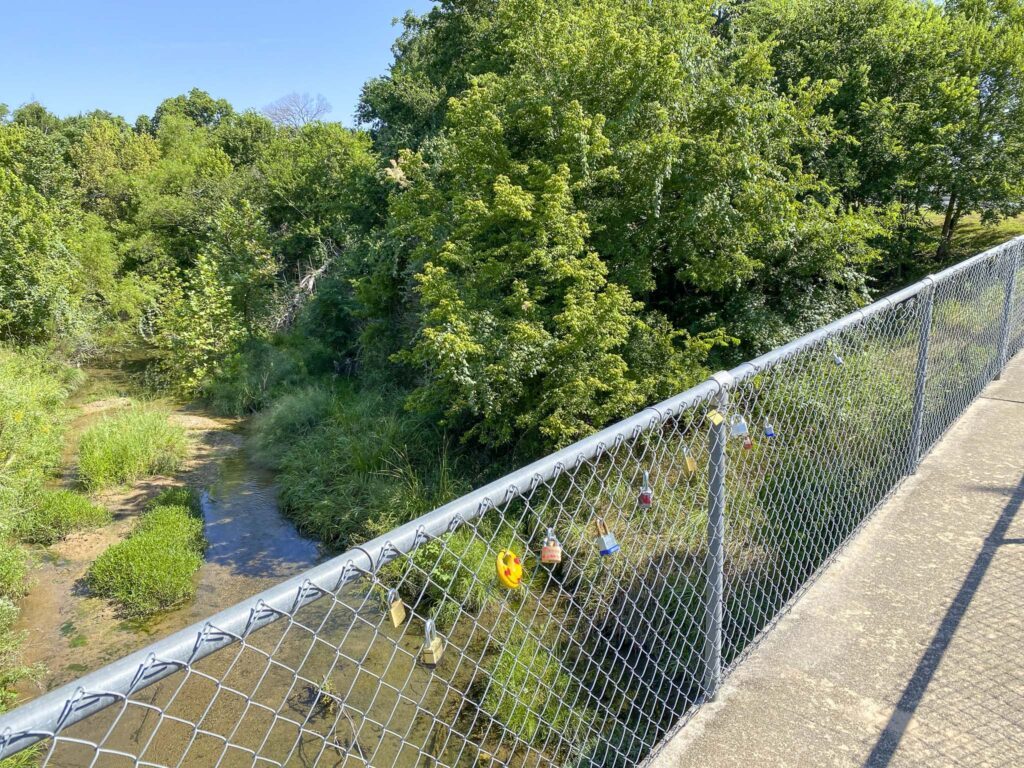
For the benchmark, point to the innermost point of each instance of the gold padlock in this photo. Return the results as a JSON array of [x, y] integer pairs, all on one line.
[[689, 463], [715, 418], [433, 646], [396, 608]]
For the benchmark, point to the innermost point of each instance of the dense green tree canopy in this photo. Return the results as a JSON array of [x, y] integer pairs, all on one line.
[[552, 213]]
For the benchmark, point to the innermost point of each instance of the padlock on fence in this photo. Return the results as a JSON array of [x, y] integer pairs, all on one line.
[[396, 608], [769, 430], [646, 492], [509, 568], [689, 463], [605, 539], [738, 426], [748, 442], [433, 646], [551, 549]]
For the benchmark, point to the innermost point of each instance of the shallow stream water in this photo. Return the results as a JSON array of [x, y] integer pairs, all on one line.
[[251, 547]]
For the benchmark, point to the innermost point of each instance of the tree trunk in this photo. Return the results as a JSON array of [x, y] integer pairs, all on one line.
[[948, 225]]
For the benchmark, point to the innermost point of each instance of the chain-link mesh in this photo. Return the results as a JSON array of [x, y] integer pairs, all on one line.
[[412, 651]]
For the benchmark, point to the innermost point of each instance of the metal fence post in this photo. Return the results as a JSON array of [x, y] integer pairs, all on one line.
[[927, 297], [714, 593], [1004, 331]]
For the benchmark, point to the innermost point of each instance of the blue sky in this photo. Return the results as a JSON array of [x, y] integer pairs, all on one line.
[[126, 57]]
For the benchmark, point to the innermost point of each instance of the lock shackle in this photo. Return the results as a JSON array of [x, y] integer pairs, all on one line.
[[429, 633], [392, 595], [550, 537], [601, 526], [735, 419]]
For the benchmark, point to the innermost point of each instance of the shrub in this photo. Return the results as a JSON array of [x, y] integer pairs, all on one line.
[[133, 443], [152, 570], [291, 417], [58, 513], [249, 381]]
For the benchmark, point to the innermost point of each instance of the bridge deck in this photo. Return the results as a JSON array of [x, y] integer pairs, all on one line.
[[909, 650]]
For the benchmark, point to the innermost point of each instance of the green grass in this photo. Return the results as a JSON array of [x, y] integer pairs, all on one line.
[[367, 466], [33, 391], [972, 236], [55, 514], [525, 689], [152, 570], [291, 417], [134, 443], [32, 417]]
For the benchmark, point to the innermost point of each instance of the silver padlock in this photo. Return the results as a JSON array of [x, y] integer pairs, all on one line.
[[739, 425], [605, 539]]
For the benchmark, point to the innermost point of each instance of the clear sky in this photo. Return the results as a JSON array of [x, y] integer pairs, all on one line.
[[126, 57]]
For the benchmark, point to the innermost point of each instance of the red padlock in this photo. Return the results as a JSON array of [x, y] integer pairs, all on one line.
[[646, 494]]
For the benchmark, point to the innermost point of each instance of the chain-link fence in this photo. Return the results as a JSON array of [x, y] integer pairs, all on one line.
[[574, 612]]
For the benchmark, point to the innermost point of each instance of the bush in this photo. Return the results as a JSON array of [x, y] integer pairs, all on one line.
[[250, 380], [134, 443], [152, 570], [58, 513], [290, 418]]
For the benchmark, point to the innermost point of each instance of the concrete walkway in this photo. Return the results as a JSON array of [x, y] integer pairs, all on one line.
[[909, 650]]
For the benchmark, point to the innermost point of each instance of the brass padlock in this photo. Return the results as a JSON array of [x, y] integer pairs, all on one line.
[[605, 539], [551, 549], [396, 608], [433, 646], [689, 463]]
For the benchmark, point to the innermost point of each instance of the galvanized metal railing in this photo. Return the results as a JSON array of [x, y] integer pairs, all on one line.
[[672, 541]]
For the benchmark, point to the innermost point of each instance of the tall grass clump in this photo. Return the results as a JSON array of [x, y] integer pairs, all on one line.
[[32, 415], [290, 418], [55, 514], [152, 570], [131, 444], [366, 467]]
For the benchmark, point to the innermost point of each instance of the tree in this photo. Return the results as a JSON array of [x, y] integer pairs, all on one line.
[[37, 272], [111, 162], [198, 106], [979, 166], [297, 109], [926, 99]]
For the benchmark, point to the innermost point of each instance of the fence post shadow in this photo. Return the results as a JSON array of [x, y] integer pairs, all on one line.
[[889, 740]]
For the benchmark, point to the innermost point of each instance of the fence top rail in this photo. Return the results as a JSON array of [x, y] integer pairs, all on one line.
[[116, 682]]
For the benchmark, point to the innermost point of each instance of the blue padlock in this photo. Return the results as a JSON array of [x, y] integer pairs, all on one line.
[[605, 539]]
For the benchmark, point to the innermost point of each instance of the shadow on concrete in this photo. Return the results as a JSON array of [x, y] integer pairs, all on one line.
[[888, 742]]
